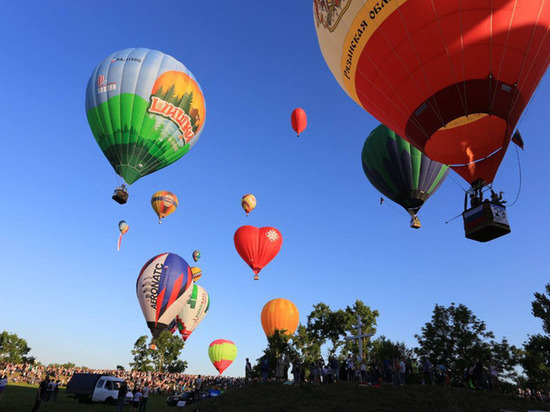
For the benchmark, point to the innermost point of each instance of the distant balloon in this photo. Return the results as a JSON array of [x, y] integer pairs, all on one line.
[[193, 312], [197, 273], [248, 202], [222, 353], [163, 287], [146, 110], [123, 227], [164, 203], [298, 119], [196, 255], [257, 246], [280, 314]]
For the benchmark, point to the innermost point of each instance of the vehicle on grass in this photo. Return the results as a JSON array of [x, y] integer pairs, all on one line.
[[95, 387]]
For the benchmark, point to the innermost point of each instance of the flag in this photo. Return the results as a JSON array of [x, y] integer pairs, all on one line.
[[516, 138]]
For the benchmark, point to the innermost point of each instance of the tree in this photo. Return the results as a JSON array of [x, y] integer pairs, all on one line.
[[169, 348], [13, 348], [368, 319], [306, 345], [456, 338], [536, 358], [120, 368], [142, 356], [277, 346], [382, 348]]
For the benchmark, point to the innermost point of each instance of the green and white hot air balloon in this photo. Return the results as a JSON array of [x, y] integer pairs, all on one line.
[[145, 109]]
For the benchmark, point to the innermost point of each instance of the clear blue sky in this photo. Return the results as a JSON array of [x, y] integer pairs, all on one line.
[[68, 292]]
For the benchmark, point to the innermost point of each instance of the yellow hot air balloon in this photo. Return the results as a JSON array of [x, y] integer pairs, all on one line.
[[280, 314], [164, 203], [197, 273], [248, 202]]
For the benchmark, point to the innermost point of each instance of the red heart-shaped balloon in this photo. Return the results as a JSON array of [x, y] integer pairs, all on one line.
[[257, 246]]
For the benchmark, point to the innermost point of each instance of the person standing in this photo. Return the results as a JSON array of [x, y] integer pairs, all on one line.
[[3, 384], [41, 394], [402, 371], [247, 371], [121, 400], [264, 368], [136, 401], [144, 397], [198, 387]]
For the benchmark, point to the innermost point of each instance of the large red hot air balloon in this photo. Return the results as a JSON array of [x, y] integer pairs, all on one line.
[[451, 77], [298, 119], [257, 246]]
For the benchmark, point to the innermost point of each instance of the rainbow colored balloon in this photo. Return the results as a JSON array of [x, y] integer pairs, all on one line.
[[145, 109], [222, 353], [196, 255], [123, 227]]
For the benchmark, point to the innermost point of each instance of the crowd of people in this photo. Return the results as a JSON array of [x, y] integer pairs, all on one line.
[[157, 382], [397, 372]]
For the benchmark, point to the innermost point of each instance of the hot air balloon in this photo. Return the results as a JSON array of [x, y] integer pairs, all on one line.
[[222, 353], [248, 202], [257, 246], [164, 203], [280, 314], [145, 109], [298, 120], [197, 273], [193, 312], [451, 77], [196, 255], [123, 227], [163, 287], [401, 172]]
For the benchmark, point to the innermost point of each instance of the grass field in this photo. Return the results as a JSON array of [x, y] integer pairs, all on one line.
[[280, 398]]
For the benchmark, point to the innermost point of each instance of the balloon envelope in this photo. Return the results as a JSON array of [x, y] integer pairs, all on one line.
[[164, 203], [451, 77], [193, 311], [196, 255], [197, 273], [399, 171], [163, 287], [145, 109], [257, 246], [248, 203], [280, 314], [222, 353], [298, 120]]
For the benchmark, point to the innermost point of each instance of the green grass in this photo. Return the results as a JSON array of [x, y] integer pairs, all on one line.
[[280, 398]]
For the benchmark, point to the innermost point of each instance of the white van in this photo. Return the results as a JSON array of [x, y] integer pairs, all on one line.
[[96, 387]]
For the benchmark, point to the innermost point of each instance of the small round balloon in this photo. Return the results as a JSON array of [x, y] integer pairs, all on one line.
[[248, 203], [196, 255], [164, 203], [197, 273], [222, 353], [123, 228], [298, 119]]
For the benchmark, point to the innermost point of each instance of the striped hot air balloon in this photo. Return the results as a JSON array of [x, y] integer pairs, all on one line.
[[248, 203], [164, 203], [222, 353]]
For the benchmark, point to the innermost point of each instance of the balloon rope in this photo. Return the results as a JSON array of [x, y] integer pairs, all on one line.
[[520, 179], [456, 217], [397, 210]]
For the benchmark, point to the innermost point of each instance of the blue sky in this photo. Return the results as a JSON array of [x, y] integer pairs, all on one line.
[[68, 292]]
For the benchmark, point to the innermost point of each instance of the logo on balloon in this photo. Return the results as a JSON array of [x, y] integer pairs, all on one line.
[[103, 86], [177, 97], [329, 13]]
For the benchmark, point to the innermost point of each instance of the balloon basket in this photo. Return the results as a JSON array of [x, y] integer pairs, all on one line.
[[120, 196], [485, 222], [256, 277]]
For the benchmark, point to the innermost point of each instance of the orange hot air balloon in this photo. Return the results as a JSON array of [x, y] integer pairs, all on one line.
[[164, 203], [451, 77], [298, 119], [280, 314]]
